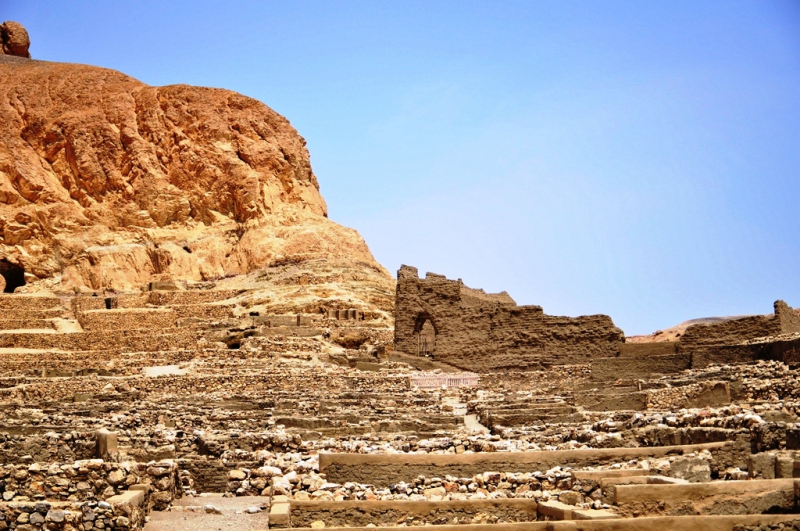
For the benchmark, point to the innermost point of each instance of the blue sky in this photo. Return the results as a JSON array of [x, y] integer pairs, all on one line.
[[640, 159]]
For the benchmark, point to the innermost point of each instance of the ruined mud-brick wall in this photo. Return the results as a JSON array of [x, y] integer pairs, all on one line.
[[47, 447], [700, 337], [479, 331]]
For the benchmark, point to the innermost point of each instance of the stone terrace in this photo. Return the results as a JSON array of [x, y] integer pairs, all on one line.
[[117, 405]]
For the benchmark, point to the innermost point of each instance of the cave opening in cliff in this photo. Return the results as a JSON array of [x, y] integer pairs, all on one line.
[[13, 274]]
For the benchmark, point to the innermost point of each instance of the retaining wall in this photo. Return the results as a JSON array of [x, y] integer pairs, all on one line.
[[384, 469]]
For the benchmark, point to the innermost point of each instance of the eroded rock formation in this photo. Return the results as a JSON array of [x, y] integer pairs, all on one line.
[[106, 182], [14, 39]]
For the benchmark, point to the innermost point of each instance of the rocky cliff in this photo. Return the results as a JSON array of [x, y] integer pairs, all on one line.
[[107, 183]]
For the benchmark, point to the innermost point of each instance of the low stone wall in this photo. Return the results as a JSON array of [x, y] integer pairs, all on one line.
[[127, 319], [32, 315], [89, 480], [163, 479], [92, 479], [57, 363], [205, 475], [721, 497], [636, 368], [390, 468], [646, 523], [778, 526], [641, 350], [84, 303], [613, 399], [16, 302], [26, 324], [49, 447], [125, 514], [521, 417], [203, 311], [382, 513], [130, 340], [162, 298]]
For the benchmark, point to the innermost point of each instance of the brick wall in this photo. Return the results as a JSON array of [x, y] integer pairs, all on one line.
[[480, 331]]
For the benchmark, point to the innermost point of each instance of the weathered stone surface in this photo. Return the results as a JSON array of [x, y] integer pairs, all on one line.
[[106, 182], [692, 469], [14, 39], [734, 331], [478, 331]]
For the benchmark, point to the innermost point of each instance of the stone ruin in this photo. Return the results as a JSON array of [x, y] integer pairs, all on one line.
[[474, 330], [135, 410], [300, 403], [444, 380]]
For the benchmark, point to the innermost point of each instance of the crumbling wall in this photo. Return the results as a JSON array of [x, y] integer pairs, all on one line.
[[788, 318], [480, 331], [91, 479], [735, 331]]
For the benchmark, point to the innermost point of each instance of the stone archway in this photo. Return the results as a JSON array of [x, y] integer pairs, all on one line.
[[425, 332], [12, 276]]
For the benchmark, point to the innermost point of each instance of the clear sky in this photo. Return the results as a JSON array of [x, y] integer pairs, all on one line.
[[639, 159]]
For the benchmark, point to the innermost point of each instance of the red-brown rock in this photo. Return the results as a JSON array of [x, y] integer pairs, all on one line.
[[106, 182], [15, 40]]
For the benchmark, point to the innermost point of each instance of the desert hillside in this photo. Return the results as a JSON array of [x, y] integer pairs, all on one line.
[[108, 183]]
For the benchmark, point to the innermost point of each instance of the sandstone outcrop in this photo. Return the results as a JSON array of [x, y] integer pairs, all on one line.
[[14, 39], [107, 183]]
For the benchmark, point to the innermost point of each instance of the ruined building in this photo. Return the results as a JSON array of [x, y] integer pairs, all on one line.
[[468, 328]]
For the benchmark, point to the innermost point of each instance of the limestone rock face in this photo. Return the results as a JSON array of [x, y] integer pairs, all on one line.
[[14, 39], [106, 182]]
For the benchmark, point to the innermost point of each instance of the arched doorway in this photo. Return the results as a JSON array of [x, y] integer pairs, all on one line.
[[425, 331], [13, 276]]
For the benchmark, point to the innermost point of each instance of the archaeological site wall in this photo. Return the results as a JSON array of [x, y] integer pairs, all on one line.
[[478, 331], [731, 341], [735, 331]]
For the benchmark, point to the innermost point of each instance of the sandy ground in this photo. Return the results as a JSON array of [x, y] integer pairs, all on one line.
[[229, 520], [471, 422], [164, 370]]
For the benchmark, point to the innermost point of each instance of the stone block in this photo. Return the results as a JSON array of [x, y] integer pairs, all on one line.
[[593, 514], [280, 514], [784, 467], [166, 285], [562, 526], [106, 443], [793, 438], [692, 469], [663, 480], [719, 497], [556, 509], [133, 497], [761, 466], [712, 394]]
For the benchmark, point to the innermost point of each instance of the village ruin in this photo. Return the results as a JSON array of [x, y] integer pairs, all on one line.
[[170, 364]]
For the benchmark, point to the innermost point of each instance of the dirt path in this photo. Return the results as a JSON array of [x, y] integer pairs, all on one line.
[[181, 519], [471, 422]]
